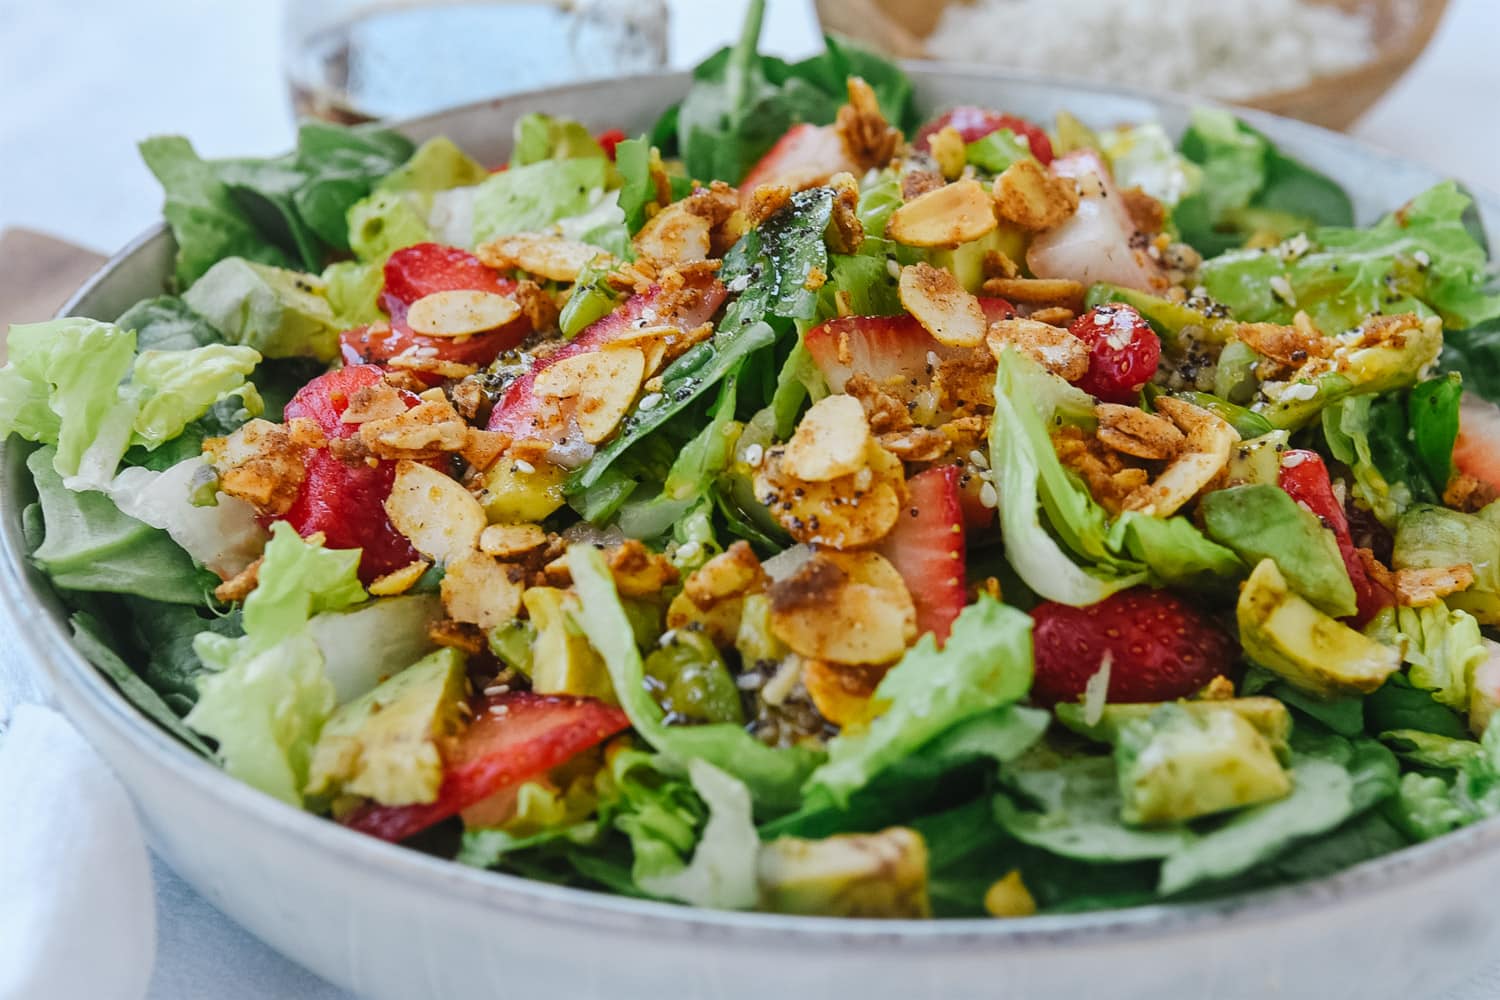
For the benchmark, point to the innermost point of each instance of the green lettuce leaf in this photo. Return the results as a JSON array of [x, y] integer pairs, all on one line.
[[1422, 255], [90, 546], [538, 137], [1142, 156], [985, 664], [1431, 537], [1443, 648], [178, 387], [721, 874], [1428, 806], [773, 776], [532, 198], [280, 313], [269, 694], [166, 323]]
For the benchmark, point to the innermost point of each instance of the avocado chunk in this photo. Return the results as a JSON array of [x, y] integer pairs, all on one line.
[[966, 261], [1169, 319], [512, 495], [280, 313], [1309, 650], [383, 745], [562, 661], [1176, 765], [1262, 522], [850, 875], [1267, 716], [1258, 459]]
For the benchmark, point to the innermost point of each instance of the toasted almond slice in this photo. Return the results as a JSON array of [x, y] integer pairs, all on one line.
[[440, 518], [460, 313], [1052, 347], [380, 401], [847, 607], [482, 591], [1038, 291], [1032, 198], [399, 581], [1417, 588], [943, 306], [1132, 430], [844, 513], [830, 441], [734, 572], [542, 254], [506, 541], [842, 693], [675, 236], [482, 448], [1209, 441], [604, 382], [944, 217]]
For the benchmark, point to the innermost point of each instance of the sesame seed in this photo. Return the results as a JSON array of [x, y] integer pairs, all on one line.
[[524, 467], [1282, 289], [690, 551], [988, 496], [979, 458], [739, 284], [753, 455], [650, 400], [495, 689], [499, 709], [892, 268]]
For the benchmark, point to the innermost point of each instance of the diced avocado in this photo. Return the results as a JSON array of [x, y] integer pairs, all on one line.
[[1176, 765], [1258, 460], [755, 642], [562, 661], [280, 313], [1391, 364], [512, 644], [512, 495], [850, 875], [966, 260], [1234, 376], [688, 679], [1267, 716], [1312, 652], [383, 745], [1263, 522], [1166, 317], [1246, 422]]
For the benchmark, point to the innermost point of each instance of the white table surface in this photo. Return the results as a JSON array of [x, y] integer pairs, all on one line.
[[82, 80]]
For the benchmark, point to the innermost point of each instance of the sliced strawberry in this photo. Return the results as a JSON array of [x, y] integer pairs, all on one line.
[[978, 515], [1123, 352], [609, 139], [346, 501], [806, 156], [415, 272], [892, 350], [516, 737], [1304, 477], [1476, 453], [995, 309], [975, 123], [521, 414], [927, 548], [1099, 242], [1158, 647]]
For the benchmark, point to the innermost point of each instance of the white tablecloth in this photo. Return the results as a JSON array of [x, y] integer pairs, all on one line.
[[97, 76]]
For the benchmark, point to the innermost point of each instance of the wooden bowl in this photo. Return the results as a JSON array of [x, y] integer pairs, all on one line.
[[1402, 30]]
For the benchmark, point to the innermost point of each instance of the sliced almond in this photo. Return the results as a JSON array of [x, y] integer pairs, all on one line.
[[675, 236], [460, 313], [1133, 431], [1417, 588], [844, 513], [478, 589], [380, 401], [732, 573], [943, 307], [541, 254], [432, 427], [604, 383], [399, 581], [944, 217], [1038, 291], [482, 448], [831, 441], [1032, 198], [841, 692], [1052, 347], [440, 518], [507, 541], [1205, 452], [847, 607]]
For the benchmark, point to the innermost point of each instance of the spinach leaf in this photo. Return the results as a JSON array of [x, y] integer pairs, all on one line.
[[1398, 704], [1475, 355], [163, 636], [89, 636], [89, 545], [773, 264], [1432, 412], [166, 323]]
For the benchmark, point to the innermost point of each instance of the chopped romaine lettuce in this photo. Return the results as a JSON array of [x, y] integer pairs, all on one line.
[[721, 874]]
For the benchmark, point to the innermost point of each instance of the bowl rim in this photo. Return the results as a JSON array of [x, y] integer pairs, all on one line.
[[48, 643]]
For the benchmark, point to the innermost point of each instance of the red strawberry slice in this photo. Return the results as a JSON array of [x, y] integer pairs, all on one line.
[[995, 309], [1304, 477], [975, 123], [1476, 453], [806, 156], [892, 350], [1123, 352], [927, 548], [514, 738], [346, 502], [415, 272], [978, 515], [1158, 646], [522, 414], [609, 139]]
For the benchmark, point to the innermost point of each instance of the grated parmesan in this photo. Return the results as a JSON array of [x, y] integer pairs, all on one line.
[[1229, 48]]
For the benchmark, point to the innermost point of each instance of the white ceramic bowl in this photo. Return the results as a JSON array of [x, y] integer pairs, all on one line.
[[395, 924]]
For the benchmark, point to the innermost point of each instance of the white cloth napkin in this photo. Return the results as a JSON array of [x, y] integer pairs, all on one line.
[[78, 918]]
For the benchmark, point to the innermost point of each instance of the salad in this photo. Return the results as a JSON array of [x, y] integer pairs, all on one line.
[[810, 506]]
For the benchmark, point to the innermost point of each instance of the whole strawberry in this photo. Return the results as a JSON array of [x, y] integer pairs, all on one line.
[[1123, 352], [1159, 647]]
